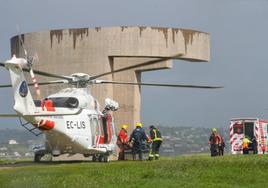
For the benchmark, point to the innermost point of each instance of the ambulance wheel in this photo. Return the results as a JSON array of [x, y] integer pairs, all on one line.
[[106, 158], [37, 157]]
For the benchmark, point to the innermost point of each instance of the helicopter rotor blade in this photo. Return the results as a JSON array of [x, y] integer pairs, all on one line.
[[40, 83], [50, 82], [158, 84], [42, 73], [6, 85], [136, 66]]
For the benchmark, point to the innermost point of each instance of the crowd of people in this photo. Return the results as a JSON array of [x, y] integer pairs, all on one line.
[[137, 140]]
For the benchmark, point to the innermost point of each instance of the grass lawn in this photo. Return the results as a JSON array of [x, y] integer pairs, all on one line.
[[183, 171]]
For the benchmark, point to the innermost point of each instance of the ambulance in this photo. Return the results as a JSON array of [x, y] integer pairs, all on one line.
[[249, 127]]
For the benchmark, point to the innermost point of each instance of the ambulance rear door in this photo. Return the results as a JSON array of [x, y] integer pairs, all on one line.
[[236, 136]]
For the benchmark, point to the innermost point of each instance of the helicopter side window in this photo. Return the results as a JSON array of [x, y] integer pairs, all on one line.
[[93, 131], [96, 125], [65, 102]]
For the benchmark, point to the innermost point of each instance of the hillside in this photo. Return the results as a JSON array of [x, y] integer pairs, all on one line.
[[186, 171], [188, 140]]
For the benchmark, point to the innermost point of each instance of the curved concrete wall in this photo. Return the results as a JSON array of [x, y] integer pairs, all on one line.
[[101, 49]]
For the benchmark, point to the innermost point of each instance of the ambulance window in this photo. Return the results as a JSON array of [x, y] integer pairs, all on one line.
[[238, 128]]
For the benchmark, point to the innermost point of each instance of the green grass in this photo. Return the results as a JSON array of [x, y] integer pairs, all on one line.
[[184, 171]]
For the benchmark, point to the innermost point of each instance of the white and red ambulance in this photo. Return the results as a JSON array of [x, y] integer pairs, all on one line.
[[249, 127]]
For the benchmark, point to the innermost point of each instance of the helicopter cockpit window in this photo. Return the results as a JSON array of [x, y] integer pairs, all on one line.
[[67, 102]]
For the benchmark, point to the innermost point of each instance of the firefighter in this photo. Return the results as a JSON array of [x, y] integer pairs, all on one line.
[[254, 145], [214, 140], [245, 145], [221, 145], [122, 142], [137, 138], [157, 141]]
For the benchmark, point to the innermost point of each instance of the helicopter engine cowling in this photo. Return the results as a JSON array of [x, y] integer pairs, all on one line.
[[111, 105]]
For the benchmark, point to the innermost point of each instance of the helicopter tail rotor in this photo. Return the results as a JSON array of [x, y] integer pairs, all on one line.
[[30, 60]]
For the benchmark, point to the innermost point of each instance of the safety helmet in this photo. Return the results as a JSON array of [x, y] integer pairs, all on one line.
[[139, 124], [151, 127], [124, 127], [214, 130]]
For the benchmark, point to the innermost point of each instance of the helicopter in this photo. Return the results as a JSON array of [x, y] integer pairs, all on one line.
[[71, 119]]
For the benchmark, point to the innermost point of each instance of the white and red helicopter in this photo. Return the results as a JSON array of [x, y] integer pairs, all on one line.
[[71, 119]]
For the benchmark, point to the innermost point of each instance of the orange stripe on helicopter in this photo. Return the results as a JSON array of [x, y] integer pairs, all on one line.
[[45, 125]]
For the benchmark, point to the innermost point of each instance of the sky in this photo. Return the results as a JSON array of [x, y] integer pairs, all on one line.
[[239, 62]]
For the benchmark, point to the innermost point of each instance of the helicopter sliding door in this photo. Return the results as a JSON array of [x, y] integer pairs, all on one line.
[[101, 129], [107, 127]]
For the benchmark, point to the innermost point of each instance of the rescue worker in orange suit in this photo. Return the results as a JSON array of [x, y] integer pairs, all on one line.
[[157, 141], [214, 140], [246, 143], [122, 142], [137, 138]]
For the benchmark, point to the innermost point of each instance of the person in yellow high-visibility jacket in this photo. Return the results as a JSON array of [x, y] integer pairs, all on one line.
[[157, 141], [246, 143]]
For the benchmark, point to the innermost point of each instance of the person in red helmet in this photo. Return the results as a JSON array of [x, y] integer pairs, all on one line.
[[122, 142]]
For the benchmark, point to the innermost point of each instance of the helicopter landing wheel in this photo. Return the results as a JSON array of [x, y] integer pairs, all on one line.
[[106, 158], [94, 158], [37, 157], [100, 158]]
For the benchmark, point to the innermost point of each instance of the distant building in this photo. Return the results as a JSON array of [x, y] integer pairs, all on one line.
[[28, 154], [12, 142], [3, 149], [3, 154], [17, 154]]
